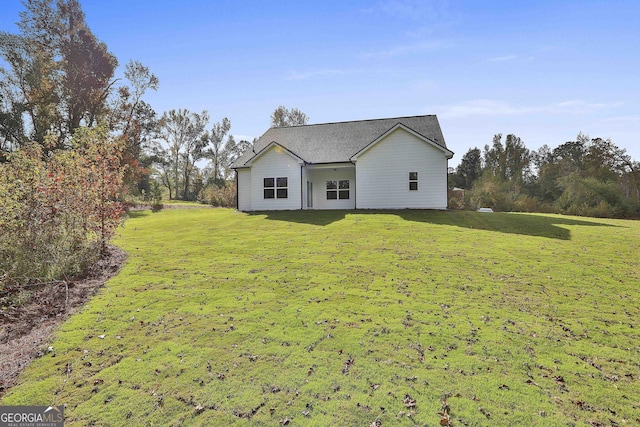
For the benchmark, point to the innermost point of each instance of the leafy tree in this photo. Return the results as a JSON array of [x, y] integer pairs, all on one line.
[[469, 169], [57, 212], [59, 74], [587, 176], [216, 149], [184, 132], [510, 162], [137, 123], [284, 117], [571, 154], [517, 160], [233, 150], [605, 161]]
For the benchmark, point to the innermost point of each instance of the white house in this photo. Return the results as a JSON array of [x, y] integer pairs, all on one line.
[[393, 163]]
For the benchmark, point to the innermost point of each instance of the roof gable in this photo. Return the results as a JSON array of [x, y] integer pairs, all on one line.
[[273, 145], [339, 142], [446, 151]]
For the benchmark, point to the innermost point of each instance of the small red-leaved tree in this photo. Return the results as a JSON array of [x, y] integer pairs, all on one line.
[[58, 211]]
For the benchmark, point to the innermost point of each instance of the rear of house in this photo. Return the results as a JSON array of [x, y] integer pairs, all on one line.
[[393, 163]]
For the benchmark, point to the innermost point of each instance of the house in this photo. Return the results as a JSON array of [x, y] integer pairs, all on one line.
[[393, 163]]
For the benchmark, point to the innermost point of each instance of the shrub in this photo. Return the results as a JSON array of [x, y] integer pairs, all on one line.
[[219, 196], [57, 212]]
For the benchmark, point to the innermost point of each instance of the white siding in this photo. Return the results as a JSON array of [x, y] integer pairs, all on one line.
[[382, 174], [244, 189], [272, 164], [319, 178]]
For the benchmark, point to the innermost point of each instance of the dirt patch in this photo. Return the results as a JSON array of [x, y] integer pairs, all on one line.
[[26, 329]]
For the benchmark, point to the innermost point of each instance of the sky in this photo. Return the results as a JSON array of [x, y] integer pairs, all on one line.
[[542, 70]]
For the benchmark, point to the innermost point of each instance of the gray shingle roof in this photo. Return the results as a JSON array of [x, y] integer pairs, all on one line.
[[337, 142]]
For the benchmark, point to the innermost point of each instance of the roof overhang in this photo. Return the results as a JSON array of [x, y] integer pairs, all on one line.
[[331, 165], [448, 153]]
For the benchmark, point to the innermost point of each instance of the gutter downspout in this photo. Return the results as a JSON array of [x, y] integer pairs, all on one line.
[[446, 202], [237, 192], [301, 194], [355, 190]]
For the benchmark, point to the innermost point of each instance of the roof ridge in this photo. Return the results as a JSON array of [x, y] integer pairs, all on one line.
[[354, 121]]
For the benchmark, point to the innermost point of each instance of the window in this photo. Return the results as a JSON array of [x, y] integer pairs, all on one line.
[[276, 188], [343, 189], [282, 191], [332, 190], [338, 190], [413, 181]]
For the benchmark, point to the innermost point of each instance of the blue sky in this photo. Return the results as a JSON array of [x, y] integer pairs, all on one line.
[[543, 70]]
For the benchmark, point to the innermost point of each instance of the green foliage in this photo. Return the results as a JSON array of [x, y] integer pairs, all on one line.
[[588, 177], [282, 116], [344, 318], [58, 211], [185, 136], [592, 197], [491, 191], [58, 77], [58, 74], [219, 196], [469, 169]]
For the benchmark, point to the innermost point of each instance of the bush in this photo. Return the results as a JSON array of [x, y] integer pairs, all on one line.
[[219, 196], [57, 212]]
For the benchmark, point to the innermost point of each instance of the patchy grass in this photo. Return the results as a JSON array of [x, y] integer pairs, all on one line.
[[355, 319]]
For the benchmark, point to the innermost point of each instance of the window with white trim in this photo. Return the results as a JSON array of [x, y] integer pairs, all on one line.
[[338, 189], [413, 181], [276, 188]]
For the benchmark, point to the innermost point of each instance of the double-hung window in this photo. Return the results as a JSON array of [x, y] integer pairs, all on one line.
[[276, 188], [413, 181], [338, 189]]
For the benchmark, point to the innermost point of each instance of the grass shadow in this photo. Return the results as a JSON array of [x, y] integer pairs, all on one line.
[[548, 226], [320, 217], [139, 213]]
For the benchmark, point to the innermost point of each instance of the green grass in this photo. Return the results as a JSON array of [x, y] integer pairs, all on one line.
[[333, 318]]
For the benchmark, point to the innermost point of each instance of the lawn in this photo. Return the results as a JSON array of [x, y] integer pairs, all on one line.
[[355, 319]]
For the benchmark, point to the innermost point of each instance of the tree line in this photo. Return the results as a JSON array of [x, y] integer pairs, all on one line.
[[588, 177], [77, 141]]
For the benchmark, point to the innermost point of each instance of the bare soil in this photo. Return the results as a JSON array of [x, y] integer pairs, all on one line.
[[27, 328]]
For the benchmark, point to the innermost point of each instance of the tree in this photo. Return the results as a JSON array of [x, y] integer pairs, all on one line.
[[215, 148], [606, 161], [510, 162], [469, 169], [570, 155], [58, 211], [59, 74], [283, 117], [233, 150], [137, 124], [183, 131]]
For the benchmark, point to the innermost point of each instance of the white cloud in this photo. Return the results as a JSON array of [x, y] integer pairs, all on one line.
[[417, 10], [624, 119], [305, 75], [492, 107], [408, 49], [482, 107], [508, 58]]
